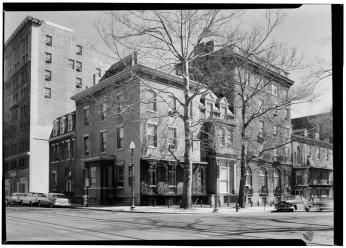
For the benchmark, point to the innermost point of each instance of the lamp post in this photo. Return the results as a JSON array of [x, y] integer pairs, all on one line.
[[132, 174]]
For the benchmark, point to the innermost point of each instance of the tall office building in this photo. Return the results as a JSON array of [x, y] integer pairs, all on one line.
[[44, 65]]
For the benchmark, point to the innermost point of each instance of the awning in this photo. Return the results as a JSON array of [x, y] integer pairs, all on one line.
[[97, 158]]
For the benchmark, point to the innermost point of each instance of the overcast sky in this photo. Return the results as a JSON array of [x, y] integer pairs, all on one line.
[[307, 28]]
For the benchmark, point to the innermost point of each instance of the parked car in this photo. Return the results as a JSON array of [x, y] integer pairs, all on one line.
[[32, 198], [325, 204], [17, 198], [54, 199], [293, 203]]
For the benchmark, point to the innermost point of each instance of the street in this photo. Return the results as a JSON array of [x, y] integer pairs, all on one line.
[[67, 224]]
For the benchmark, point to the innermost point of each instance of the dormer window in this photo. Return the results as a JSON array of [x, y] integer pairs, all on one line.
[[62, 125], [209, 110], [55, 128], [69, 123]]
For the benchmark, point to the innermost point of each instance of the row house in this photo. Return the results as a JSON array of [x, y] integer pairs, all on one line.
[[312, 164], [144, 109], [62, 155]]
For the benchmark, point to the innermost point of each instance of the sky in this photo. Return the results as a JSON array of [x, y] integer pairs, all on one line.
[[308, 29]]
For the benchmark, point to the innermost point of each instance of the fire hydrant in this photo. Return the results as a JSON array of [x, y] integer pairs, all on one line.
[[237, 207]]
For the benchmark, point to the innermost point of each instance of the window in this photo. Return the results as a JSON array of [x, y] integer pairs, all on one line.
[[318, 153], [103, 141], [86, 116], [120, 102], [248, 177], [299, 178], [47, 92], [21, 164], [71, 63], [173, 103], [120, 137], [48, 58], [79, 50], [327, 154], [172, 138], [224, 179], [69, 123], [275, 131], [120, 174], [152, 135], [78, 66], [299, 155], [68, 149], [14, 165], [54, 179], [276, 179], [263, 178], [261, 129], [86, 145], [25, 58], [55, 128], [92, 175], [284, 93], [48, 40], [62, 125], [152, 174], [152, 106], [103, 111], [48, 75], [72, 148], [287, 132], [224, 112], [223, 137], [231, 138], [209, 110], [275, 152], [274, 89], [78, 83], [171, 174], [98, 72]]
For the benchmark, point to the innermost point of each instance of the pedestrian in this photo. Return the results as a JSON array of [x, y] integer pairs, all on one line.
[[237, 207]]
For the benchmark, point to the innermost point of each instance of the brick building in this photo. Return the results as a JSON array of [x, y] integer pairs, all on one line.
[[237, 75], [312, 158], [122, 109], [44, 65], [62, 155]]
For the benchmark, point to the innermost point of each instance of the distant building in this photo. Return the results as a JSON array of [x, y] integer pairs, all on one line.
[[123, 108], [44, 65], [312, 159], [62, 155]]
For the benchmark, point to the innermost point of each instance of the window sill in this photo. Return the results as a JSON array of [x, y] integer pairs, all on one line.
[[152, 111]]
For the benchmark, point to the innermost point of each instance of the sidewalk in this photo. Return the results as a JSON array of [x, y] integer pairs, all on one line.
[[177, 210]]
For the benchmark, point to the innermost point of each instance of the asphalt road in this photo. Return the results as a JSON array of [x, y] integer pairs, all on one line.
[[45, 224]]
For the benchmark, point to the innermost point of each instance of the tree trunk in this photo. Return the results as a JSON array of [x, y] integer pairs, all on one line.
[[187, 190], [241, 195]]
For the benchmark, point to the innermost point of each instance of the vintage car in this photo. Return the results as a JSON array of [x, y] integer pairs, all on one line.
[[17, 198], [293, 203], [54, 200], [32, 198]]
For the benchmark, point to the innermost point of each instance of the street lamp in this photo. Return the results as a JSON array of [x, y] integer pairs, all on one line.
[[132, 174]]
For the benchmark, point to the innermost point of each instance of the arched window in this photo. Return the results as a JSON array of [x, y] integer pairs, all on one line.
[[276, 179], [248, 177], [263, 178]]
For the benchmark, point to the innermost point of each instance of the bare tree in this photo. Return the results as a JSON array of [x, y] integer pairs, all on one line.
[[165, 39]]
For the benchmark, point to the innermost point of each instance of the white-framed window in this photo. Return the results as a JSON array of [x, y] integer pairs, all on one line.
[[69, 123], [224, 179], [263, 178], [86, 116], [231, 137], [55, 127], [47, 92], [152, 101], [86, 145], [120, 137], [224, 112], [248, 177], [68, 149], [120, 174], [223, 137], [210, 110], [172, 138], [103, 111], [103, 141], [120, 102], [152, 134], [47, 75], [62, 125], [68, 186], [49, 40], [276, 179], [318, 151], [79, 50], [274, 89], [79, 83], [78, 66], [48, 58]]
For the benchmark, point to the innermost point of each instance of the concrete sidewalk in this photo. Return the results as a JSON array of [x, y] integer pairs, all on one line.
[[178, 210]]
